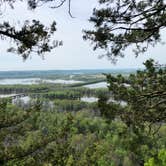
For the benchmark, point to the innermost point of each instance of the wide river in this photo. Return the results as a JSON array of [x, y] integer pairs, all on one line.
[[97, 85], [30, 81]]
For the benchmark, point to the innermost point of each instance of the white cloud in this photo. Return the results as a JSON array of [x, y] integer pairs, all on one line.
[[76, 53]]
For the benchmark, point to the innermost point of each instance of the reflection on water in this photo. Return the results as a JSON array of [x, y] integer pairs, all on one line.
[[61, 81], [6, 95], [30, 81], [23, 81], [89, 99], [121, 102], [97, 85], [24, 99]]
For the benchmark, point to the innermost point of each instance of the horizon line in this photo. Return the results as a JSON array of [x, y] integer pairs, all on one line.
[[72, 69]]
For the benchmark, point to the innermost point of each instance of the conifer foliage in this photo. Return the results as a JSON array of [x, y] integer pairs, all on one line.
[[119, 24]]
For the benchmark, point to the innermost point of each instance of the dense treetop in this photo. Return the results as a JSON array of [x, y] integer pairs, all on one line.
[[144, 94]]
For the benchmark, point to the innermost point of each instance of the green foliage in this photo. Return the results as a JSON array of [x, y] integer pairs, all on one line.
[[72, 105], [160, 161], [139, 101], [33, 36], [38, 137], [124, 23], [143, 94], [9, 89], [125, 128], [44, 138]]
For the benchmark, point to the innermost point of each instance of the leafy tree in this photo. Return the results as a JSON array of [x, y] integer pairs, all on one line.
[[160, 161], [33, 36], [119, 24], [139, 101]]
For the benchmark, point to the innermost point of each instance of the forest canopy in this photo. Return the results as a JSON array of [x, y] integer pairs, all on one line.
[[126, 127]]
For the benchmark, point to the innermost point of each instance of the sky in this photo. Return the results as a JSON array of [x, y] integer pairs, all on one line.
[[75, 52]]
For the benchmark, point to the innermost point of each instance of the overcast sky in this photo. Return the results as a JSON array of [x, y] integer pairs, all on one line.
[[75, 53]]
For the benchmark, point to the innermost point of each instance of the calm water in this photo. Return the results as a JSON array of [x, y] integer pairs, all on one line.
[[57, 76], [6, 95], [25, 100], [89, 99], [30, 81], [97, 85]]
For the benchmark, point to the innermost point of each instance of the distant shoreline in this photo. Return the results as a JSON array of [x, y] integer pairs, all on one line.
[[52, 73], [52, 70]]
